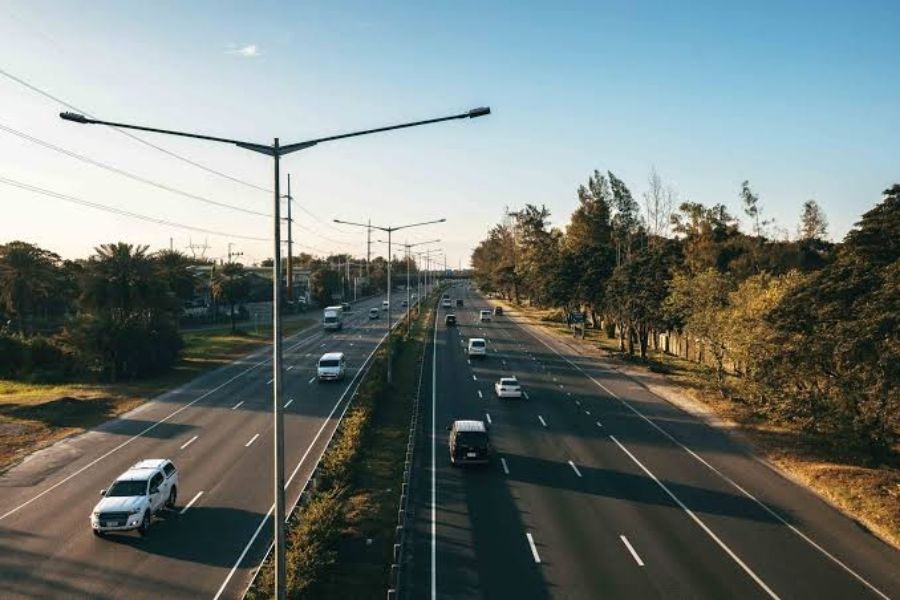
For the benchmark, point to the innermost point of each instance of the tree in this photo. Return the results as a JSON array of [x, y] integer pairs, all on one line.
[[230, 285], [127, 320], [658, 204], [638, 289], [325, 281], [753, 209], [588, 242], [699, 301], [837, 365], [32, 284], [174, 269], [813, 223]]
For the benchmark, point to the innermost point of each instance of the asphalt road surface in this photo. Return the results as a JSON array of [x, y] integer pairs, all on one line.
[[218, 431], [600, 489]]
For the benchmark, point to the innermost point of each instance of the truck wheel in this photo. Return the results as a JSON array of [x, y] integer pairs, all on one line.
[[145, 524], [173, 496]]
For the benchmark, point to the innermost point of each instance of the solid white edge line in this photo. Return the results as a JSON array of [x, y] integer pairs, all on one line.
[[189, 442], [237, 405], [698, 521], [191, 503], [262, 522], [534, 552], [723, 476], [504, 465], [434, 465], [634, 554], [575, 468], [253, 439], [541, 419]]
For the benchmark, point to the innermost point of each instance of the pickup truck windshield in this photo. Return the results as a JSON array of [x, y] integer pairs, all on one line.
[[127, 488]]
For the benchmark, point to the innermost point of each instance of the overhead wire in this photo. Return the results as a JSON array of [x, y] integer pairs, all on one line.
[[123, 212]]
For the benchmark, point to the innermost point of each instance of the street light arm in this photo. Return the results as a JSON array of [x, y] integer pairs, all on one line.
[[471, 114], [79, 118], [416, 224], [361, 225]]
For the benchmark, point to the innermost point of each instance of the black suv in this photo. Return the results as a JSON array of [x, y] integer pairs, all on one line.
[[459, 301], [469, 443], [450, 320]]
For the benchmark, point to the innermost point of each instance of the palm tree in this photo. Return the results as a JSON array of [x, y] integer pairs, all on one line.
[[30, 278], [230, 285]]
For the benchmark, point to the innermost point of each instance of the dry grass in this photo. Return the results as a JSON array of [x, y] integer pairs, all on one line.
[[870, 495], [36, 415]]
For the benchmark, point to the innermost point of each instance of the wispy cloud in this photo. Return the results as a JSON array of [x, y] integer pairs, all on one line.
[[247, 51]]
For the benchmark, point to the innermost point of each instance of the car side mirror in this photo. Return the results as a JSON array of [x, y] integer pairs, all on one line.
[[102, 492]]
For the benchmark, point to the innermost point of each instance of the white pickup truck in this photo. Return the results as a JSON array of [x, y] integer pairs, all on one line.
[[135, 496]]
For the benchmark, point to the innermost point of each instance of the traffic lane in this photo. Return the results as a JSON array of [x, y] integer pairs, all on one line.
[[611, 501], [482, 550], [81, 529], [769, 545]]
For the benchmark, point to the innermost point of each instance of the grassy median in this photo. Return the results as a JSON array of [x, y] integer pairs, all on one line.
[[869, 494], [35, 415], [340, 543]]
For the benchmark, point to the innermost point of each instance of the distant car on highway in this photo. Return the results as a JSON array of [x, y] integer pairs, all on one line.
[[450, 320], [136, 496], [477, 348], [385, 304], [469, 442], [445, 303], [459, 302], [331, 367], [374, 313], [498, 311], [484, 315], [508, 387], [346, 306], [403, 303]]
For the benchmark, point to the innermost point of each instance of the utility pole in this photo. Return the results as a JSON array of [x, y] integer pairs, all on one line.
[[232, 254], [290, 244], [368, 248]]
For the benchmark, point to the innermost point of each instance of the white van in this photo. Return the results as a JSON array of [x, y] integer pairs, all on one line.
[[331, 366], [477, 348], [485, 315]]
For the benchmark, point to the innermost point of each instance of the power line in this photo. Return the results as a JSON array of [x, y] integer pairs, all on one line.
[[122, 212], [50, 96], [127, 174]]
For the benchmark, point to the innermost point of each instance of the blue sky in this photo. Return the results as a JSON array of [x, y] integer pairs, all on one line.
[[800, 98]]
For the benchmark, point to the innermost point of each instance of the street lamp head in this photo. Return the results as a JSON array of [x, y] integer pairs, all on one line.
[[71, 116], [479, 112]]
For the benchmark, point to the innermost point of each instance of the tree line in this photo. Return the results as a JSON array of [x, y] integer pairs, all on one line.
[[807, 329], [116, 315]]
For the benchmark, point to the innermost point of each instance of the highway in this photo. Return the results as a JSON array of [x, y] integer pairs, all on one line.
[[218, 431], [600, 489]]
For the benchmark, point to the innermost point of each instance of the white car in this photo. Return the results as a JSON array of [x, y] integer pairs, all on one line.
[[373, 313], [485, 315], [331, 366], [508, 387], [135, 496], [385, 304], [477, 348], [445, 303]]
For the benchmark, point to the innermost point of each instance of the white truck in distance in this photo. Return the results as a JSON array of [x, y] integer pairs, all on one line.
[[135, 496], [333, 317]]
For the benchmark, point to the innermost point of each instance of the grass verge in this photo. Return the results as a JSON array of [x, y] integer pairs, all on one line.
[[871, 495], [35, 415], [340, 543]]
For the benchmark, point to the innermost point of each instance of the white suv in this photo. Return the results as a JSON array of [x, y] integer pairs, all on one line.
[[135, 496], [477, 347]]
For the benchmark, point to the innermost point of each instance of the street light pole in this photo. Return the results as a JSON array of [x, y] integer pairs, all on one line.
[[389, 231], [276, 151]]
